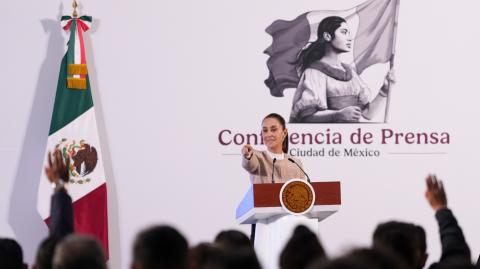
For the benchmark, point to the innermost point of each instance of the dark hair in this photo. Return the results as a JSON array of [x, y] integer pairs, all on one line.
[[362, 258], [454, 263], [241, 258], [232, 239], [11, 255], [421, 238], [404, 239], [316, 50], [160, 247], [45, 253], [282, 122], [205, 255], [301, 250], [78, 252], [210, 256]]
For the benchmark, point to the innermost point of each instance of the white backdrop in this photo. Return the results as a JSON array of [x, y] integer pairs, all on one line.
[[168, 76]]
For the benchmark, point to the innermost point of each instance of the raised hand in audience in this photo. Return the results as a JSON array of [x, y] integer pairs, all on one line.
[[435, 193], [454, 246], [61, 210], [57, 168]]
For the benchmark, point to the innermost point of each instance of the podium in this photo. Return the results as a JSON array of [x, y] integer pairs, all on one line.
[[274, 225]]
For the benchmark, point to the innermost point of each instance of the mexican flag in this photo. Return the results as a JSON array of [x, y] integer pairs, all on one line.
[[372, 25], [73, 130]]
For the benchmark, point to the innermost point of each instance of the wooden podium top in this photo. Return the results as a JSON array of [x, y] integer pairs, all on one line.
[[262, 201]]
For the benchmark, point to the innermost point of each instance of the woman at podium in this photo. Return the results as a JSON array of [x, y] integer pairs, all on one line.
[[273, 165]]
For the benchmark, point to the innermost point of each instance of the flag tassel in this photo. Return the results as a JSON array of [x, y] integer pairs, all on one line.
[[77, 83]]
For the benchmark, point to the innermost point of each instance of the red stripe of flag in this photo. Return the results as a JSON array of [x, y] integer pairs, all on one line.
[[91, 215], [82, 46]]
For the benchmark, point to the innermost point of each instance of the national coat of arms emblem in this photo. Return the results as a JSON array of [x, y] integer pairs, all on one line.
[[297, 196], [83, 157]]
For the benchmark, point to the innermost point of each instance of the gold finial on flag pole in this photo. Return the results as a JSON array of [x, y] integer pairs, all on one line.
[[74, 5]]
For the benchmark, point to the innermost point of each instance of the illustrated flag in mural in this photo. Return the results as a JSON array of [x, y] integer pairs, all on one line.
[[372, 24], [74, 130]]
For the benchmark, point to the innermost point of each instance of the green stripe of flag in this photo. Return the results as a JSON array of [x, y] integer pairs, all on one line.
[[69, 104], [71, 43]]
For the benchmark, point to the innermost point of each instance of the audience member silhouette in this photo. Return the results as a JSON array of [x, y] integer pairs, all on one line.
[[302, 248], [408, 240], [455, 264], [160, 247], [11, 254], [215, 256], [405, 240], [362, 258], [205, 256], [241, 258], [79, 252], [396, 245], [44, 257], [232, 239], [61, 209], [454, 246]]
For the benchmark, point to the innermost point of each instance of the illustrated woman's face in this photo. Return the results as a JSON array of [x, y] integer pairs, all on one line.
[[273, 134], [343, 40]]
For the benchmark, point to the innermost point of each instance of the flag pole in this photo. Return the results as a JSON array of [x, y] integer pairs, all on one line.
[[74, 5], [392, 59]]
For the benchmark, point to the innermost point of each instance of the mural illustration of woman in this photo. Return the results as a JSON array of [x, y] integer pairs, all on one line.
[[330, 90]]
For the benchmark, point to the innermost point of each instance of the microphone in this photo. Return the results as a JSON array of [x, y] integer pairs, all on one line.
[[291, 160], [273, 169]]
